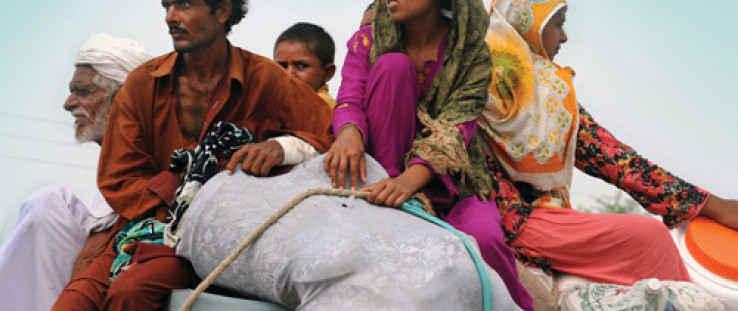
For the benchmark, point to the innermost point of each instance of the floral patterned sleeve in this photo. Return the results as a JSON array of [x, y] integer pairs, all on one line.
[[515, 212], [601, 155]]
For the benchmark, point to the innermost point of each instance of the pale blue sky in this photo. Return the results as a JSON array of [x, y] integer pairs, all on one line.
[[660, 77]]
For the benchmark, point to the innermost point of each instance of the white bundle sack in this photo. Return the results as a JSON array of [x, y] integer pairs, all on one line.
[[329, 253]]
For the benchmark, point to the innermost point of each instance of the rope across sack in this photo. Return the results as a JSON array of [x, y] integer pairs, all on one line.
[[419, 206]]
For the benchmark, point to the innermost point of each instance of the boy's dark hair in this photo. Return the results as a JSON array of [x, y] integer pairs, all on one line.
[[315, 38], [240, 8]]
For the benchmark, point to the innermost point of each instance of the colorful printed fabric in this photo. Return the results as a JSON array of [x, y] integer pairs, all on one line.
[[197, 165], [147, 230], [601, 155], [529, 17], [530, 119], [457, 93], [200, 164]]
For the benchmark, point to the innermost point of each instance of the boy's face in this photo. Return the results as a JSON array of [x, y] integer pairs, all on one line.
[[553, 35], [301, 63]]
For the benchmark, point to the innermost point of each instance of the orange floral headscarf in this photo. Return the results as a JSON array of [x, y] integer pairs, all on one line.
[[529, 17], [531, 118]]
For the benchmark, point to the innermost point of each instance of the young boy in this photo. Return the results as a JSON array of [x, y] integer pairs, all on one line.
[[306, 51]]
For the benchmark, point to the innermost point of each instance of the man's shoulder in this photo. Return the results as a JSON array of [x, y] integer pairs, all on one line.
[[156, 66], [141, 79], [255, 64]]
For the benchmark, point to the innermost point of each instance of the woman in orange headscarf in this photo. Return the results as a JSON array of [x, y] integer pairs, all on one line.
[[537, 133]]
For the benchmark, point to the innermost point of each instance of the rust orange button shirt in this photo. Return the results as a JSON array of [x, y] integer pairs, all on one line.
[[144, 129]]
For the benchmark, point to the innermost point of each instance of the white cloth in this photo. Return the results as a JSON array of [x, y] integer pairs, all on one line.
[[37, 257], [648, 294], [295, 149], [329, 253], [101, 217], [112, 57]]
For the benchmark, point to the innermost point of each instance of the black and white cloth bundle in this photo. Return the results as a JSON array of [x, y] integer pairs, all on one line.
[[200, 164]]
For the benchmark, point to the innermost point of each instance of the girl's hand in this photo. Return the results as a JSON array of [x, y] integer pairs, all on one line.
[[346, 154], [723, 211], [388, 192], [395, 191]]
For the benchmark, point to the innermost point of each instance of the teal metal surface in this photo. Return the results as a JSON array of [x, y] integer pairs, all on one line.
[[213, 302]]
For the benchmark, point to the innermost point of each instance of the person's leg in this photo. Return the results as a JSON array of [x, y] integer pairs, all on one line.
[[147, 283], [36, 259], [87, 290], [612, 248], [392, 94], [482, 221]]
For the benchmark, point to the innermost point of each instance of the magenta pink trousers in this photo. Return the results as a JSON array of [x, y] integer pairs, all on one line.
[[392, 92]]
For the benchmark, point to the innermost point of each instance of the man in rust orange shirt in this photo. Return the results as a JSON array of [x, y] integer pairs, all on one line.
[[169, 103]]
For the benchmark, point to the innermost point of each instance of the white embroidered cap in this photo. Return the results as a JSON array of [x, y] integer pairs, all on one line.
[[112, 57]]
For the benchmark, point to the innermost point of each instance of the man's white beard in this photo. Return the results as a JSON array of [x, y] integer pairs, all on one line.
[[95, 131]]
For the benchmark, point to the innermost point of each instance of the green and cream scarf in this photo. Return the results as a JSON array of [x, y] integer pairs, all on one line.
[[457, 94]]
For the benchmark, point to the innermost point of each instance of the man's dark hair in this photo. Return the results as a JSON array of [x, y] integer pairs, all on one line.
[[240, 8], [315, 38]]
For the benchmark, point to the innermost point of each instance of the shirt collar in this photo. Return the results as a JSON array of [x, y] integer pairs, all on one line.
[[235, 65], [323, 89]]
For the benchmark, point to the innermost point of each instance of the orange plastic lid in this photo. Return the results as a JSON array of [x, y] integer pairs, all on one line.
[[714, 246]]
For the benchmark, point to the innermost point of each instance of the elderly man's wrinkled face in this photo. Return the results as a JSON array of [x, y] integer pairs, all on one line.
[[88, 104]]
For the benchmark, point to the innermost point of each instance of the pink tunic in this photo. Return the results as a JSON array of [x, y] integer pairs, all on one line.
[[381, 99], [386, 139]]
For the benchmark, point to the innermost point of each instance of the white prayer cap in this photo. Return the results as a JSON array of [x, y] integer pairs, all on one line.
[[112, 57]]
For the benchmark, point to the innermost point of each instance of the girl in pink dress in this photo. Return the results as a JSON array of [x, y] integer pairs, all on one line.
[[413, 84]]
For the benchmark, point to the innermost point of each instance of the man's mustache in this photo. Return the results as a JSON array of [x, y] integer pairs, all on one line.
[[80, 112], [175, 29]]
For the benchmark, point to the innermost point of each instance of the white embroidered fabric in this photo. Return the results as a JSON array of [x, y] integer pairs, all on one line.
[[329, 253], [647, 294]]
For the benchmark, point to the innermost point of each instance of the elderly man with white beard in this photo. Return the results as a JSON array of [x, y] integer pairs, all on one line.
[[57, 235]]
